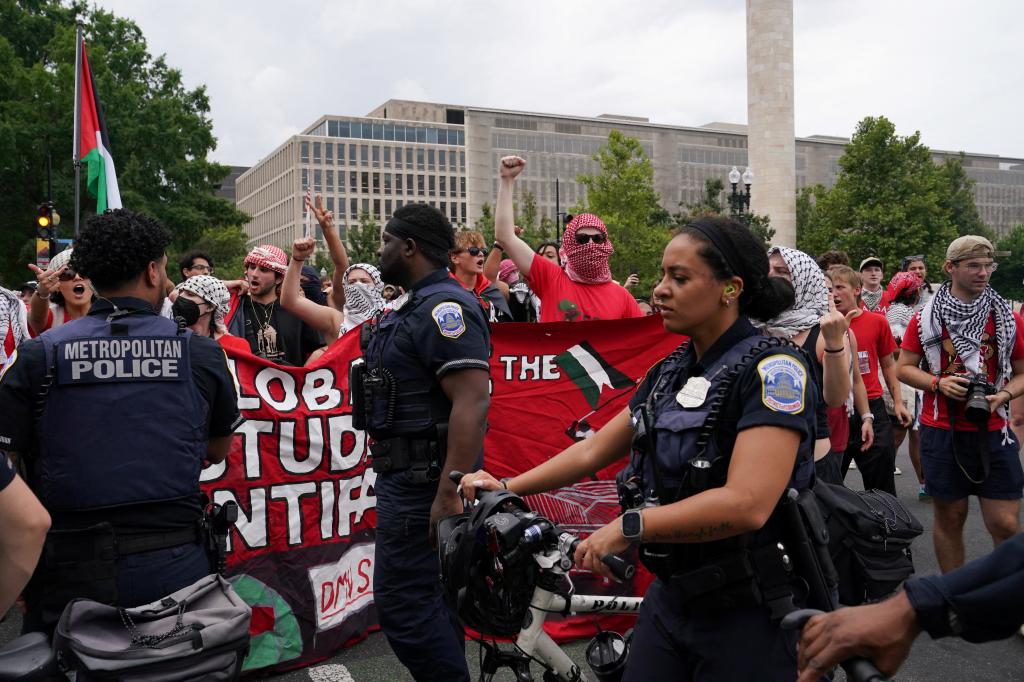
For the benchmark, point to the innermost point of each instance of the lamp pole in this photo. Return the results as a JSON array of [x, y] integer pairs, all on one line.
[[739, 199]]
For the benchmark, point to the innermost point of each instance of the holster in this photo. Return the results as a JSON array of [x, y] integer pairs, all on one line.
[[357, 390], [421, 456]]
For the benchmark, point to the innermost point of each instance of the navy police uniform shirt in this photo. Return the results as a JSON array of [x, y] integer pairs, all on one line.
[[446, 334], [22, 380], [772, 390]]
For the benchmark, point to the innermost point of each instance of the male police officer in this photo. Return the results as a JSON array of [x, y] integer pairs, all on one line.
[[114, 414], [424, 400]]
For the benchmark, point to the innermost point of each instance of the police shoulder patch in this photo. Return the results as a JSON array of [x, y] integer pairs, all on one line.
[[783, 383], [449, 319]]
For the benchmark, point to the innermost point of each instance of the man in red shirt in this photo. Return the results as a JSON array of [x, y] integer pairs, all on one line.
[[967, 331], [875, 346], [584, 290]]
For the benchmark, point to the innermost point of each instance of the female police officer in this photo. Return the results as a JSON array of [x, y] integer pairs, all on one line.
[[719, 430]]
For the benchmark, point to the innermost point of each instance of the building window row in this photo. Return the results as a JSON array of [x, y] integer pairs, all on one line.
[[552, 144], [379, 156], [391, 132], [713, 157]]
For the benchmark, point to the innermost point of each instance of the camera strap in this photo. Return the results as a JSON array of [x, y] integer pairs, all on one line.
[[982, 448]]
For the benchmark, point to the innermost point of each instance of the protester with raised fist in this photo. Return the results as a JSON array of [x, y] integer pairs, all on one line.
[[584, 290]]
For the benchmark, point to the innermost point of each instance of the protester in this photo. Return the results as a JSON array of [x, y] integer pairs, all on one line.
[[466, 261], [61, 295], [830, 258], [135, 425], [26, 291], [271, 331], [25, 522], [715, 277], [550, 250], [916, 265], [426, 367], [966, 333], [980, 602], [584, 290], [904, 292], [201, 304], [522, 302], [814, 324], [829, 469], [875, 347], [13, 324], [335, 249], [194, 262], [873, 297]]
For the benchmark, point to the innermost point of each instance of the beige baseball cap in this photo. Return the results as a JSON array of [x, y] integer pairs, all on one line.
[[969, 246]]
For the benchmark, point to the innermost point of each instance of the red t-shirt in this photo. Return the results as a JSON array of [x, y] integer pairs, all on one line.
[[562, 299], [951, 364], [874, 340], [883, 303]]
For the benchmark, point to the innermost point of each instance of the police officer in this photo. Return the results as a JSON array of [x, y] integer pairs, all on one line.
[[114, 414], [720, 429], [423, 398]]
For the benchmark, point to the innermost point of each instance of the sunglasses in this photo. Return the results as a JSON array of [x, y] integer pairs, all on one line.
[[67, 275], [477, 251], [596, 238]]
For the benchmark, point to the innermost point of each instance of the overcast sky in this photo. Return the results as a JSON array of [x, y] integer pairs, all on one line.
[[948, 68]]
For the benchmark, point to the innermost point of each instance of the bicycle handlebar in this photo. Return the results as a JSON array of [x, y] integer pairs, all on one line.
[[620, 568], [857, 669]]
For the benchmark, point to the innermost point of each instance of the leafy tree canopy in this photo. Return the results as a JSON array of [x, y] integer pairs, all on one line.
[[160, 131], [363, 240]]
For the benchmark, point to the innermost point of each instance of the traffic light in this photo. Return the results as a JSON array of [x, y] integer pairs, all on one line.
[[44, 221]]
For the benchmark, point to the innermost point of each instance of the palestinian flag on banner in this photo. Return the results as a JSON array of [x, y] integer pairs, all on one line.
[[94, 145], [590, 372]]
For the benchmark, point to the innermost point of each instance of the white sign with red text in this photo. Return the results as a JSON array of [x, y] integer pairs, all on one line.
[[343, 588]]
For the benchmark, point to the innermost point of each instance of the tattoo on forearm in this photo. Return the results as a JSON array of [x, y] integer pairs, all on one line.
[[701, 534]]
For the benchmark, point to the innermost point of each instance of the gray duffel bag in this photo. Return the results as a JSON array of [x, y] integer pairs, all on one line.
[[200, 632]]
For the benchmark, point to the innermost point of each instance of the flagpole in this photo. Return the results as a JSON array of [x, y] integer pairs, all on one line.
[[77, 126]]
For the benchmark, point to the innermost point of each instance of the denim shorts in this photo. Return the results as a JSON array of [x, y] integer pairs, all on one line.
[[944, 479]]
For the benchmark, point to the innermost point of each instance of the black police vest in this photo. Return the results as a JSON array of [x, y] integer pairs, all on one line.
[[123, 421], [681, 433], [412, 403]]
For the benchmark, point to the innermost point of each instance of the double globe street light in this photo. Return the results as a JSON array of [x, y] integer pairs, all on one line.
[[739, 200]]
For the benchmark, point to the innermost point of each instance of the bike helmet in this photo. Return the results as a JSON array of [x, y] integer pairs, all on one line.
[[488, 576]]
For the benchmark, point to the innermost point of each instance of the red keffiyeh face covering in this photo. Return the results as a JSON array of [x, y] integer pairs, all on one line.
[[586, 263]]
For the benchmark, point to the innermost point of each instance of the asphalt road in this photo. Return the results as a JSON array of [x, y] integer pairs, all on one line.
[[930, 661]]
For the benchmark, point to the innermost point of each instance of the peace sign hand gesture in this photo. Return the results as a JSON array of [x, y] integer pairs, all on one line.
[[323, 216]]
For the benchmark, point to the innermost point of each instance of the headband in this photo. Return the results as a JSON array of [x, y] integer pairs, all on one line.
[[406, 230], [724, 246]]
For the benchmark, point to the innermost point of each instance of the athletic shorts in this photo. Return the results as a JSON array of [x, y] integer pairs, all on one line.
[[947, 482]]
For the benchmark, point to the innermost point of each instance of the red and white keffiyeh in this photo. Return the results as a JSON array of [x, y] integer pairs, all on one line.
[[268, 256], [586, 263]]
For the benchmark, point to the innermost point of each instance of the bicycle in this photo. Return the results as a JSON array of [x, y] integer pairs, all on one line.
[[530, 553]]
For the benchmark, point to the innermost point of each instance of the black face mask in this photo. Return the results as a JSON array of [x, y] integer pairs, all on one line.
[[185, 311]]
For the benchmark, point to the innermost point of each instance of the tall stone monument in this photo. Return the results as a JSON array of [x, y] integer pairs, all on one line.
[[770, 139]]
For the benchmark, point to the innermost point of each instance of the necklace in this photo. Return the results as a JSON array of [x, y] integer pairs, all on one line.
[[266, 336]]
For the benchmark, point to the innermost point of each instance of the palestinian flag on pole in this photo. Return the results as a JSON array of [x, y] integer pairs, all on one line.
[[94, 145], [590, 372]]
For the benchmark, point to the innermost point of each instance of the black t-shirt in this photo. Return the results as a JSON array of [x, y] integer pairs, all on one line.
[[287, 341], [20, 387]]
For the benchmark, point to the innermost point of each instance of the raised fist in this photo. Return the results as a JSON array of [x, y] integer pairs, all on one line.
[[302, 248], [511, 166]]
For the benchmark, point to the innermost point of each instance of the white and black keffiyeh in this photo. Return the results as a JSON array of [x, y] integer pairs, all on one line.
[[965, 323], [898, 316], [211, 290], [811, 302], [13, 320], [871, 298], [361, 300]]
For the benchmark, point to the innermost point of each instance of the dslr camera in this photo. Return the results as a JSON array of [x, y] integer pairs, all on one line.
[[978, 409]]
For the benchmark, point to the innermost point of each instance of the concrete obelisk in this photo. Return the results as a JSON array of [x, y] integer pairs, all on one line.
[[770, 139]]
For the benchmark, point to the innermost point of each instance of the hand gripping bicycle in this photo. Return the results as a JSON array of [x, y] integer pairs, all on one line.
[[505, 568]]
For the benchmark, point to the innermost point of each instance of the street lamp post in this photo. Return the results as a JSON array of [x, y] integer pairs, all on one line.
[[739, 200]]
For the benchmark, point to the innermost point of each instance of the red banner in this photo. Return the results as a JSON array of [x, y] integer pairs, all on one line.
[[301, 552]]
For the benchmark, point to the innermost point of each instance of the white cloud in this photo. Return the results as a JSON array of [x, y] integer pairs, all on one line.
[[946, 68]]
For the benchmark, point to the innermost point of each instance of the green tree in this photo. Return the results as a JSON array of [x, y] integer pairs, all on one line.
[[160, 131], [485, 223], [226, 245], [958, 199], [526, 218], [623, 196], [711, 204], [889, 200], [1007, 279], [363, 241]]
